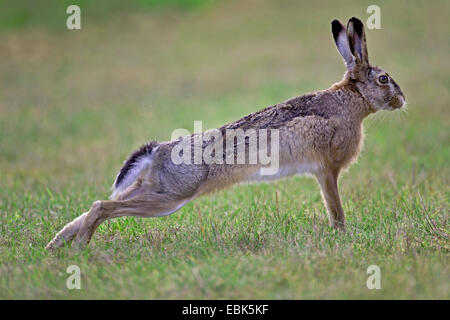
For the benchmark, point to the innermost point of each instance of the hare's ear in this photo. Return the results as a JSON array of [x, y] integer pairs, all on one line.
[[357, 41], [341, 40]]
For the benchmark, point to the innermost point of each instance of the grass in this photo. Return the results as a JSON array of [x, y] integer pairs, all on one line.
[[74, 104], [51, 14]]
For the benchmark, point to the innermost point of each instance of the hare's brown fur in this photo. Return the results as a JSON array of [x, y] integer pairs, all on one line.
[[319, 134]]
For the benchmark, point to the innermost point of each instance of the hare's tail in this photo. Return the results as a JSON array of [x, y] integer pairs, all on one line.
[[133, 167]]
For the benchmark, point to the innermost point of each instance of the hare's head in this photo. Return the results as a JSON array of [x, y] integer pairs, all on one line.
[[376, 85]]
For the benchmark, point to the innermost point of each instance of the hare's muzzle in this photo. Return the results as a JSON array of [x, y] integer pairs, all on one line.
[[397, 101]]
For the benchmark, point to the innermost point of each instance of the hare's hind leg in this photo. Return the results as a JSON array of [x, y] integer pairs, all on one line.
[[153, 205], [143, 205], [330, 193], [67, 233]]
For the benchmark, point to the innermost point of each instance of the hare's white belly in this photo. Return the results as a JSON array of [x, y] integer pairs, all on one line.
[[286, 170]]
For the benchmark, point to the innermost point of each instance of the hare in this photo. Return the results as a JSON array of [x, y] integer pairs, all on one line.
[[319, 134]]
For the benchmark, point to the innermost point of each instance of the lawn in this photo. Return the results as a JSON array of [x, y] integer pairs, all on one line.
[[75, 104]]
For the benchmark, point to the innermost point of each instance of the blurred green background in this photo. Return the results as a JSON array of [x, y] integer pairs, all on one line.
[[75, 103]]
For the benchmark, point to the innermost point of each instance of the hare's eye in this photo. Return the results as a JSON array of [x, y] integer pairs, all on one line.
[[383, 79]]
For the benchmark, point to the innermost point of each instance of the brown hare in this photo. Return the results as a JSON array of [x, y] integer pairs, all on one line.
[[319, 134]]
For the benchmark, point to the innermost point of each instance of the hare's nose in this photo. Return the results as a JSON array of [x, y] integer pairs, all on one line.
[[401, 100], [397, 89]]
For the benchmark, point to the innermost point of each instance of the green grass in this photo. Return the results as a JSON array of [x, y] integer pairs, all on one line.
[[74, 104], [51, 14]]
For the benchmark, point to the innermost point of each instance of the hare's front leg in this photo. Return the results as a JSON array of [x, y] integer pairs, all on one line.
[[330, 193]]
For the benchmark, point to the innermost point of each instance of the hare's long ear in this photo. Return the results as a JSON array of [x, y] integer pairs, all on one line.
[[341, 40], [357, 41]]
